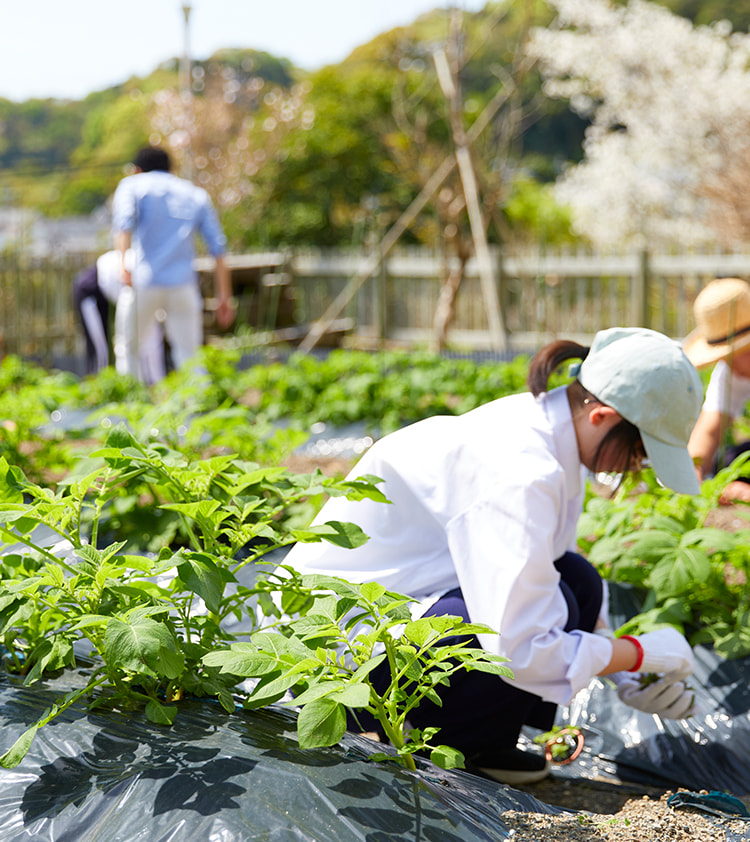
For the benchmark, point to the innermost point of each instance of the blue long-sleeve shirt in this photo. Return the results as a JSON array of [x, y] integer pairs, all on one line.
[[163, 213]]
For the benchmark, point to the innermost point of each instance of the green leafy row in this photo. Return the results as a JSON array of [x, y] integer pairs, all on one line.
[[211, 405], [385, 390], [685, 572], [157, 627], [165, 501]]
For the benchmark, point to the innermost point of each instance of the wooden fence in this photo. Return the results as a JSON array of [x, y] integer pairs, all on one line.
[[542, 295], [37, 317]]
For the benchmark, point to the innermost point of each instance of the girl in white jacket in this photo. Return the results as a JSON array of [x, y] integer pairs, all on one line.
[[482, 524]]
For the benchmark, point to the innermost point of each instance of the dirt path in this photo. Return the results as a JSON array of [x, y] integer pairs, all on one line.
[[640, 819]]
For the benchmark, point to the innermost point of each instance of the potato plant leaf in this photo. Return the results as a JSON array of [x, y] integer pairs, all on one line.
[[736, 644], [242, 662], [201, 510], [372, 591], [143, 646], [445, 757], [652, 545], [680, 572], [353, 694], [321, 723], [347, 535], [16, 753], [203, 577], [160, 714]]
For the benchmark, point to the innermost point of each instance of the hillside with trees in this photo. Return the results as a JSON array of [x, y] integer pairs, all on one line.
[[332, 157], [324, 158]]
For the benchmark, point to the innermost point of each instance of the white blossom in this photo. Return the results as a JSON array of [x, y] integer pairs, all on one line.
[[669, 105], [218, 133]]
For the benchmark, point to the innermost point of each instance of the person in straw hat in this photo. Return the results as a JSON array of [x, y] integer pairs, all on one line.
[[482, 524], [721, 338]]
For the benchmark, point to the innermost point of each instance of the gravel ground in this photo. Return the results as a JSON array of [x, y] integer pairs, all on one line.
[[641, 819], [617, 813]]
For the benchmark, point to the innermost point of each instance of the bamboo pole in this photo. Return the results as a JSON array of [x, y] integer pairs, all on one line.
[[449, 85], [392, 236]]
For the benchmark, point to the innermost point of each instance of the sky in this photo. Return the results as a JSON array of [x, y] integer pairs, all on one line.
[[67, 49]]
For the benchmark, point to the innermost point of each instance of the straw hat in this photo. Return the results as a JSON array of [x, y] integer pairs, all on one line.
[[722, 318]]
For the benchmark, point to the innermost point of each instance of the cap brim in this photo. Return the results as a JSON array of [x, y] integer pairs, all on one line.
[[672, 464], [701, 354]]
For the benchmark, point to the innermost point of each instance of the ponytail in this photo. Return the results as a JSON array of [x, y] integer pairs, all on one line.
[[549, 359], [623, 440]]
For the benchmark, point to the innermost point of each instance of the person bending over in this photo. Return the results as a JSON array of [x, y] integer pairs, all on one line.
[[721, 338], [482, 525]]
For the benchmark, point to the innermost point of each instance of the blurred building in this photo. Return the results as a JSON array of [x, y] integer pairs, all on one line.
[[28, 231]]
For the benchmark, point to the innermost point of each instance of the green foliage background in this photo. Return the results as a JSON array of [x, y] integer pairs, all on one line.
[[185, 479], [66, 157]]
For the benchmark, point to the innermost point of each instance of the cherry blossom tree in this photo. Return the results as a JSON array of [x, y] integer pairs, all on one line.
[[669, 105], [231, 129]]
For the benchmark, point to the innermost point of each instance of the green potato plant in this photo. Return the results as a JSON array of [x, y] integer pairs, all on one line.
[[153, 629], [685, 574], [144, 622], [329, 636]]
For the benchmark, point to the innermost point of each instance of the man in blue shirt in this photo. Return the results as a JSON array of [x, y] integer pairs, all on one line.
[[158, 215]]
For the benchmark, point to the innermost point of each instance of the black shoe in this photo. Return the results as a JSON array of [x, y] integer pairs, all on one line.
[[510, 766]]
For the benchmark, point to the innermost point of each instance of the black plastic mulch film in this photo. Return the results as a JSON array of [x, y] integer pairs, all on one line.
[[215, 776], [113, 777]]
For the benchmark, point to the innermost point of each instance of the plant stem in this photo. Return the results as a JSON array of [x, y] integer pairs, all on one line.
[[394, 734], [21, 539]]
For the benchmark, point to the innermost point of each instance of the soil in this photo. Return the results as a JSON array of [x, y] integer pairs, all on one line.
[[731, 518], [639, 820], [330, 466], [621, 813]]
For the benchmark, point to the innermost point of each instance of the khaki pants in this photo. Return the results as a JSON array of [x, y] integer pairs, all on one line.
[[178, 308]]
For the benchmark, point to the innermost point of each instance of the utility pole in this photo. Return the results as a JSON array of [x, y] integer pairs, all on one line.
[[186, 92]]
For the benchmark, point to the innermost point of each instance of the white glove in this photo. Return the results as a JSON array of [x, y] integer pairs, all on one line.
[[666, 651], [663, 695]]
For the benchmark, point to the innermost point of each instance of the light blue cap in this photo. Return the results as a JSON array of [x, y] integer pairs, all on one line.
[[646, 377]]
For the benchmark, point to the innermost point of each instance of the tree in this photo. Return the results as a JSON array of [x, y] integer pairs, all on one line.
[[328, 166], [669, 105], [727, 188], [737, 12], [476, 191], [224, 134]]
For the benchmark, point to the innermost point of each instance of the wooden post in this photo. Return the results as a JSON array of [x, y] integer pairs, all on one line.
[[502, 289], [381, 302], [393, 235], [643, 315], [449, 85], [372, 265]]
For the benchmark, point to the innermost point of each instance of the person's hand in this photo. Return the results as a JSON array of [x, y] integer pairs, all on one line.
[[225, 313], [660, 695], [666, 651], [735, 492]]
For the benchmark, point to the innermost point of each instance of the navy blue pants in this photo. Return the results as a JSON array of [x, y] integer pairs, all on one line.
[[481, 712], [86, 285]]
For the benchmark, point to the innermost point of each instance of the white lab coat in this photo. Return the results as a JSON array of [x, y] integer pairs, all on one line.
[[486, 501]]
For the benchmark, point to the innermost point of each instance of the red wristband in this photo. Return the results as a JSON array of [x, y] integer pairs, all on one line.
[[637, 644]]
